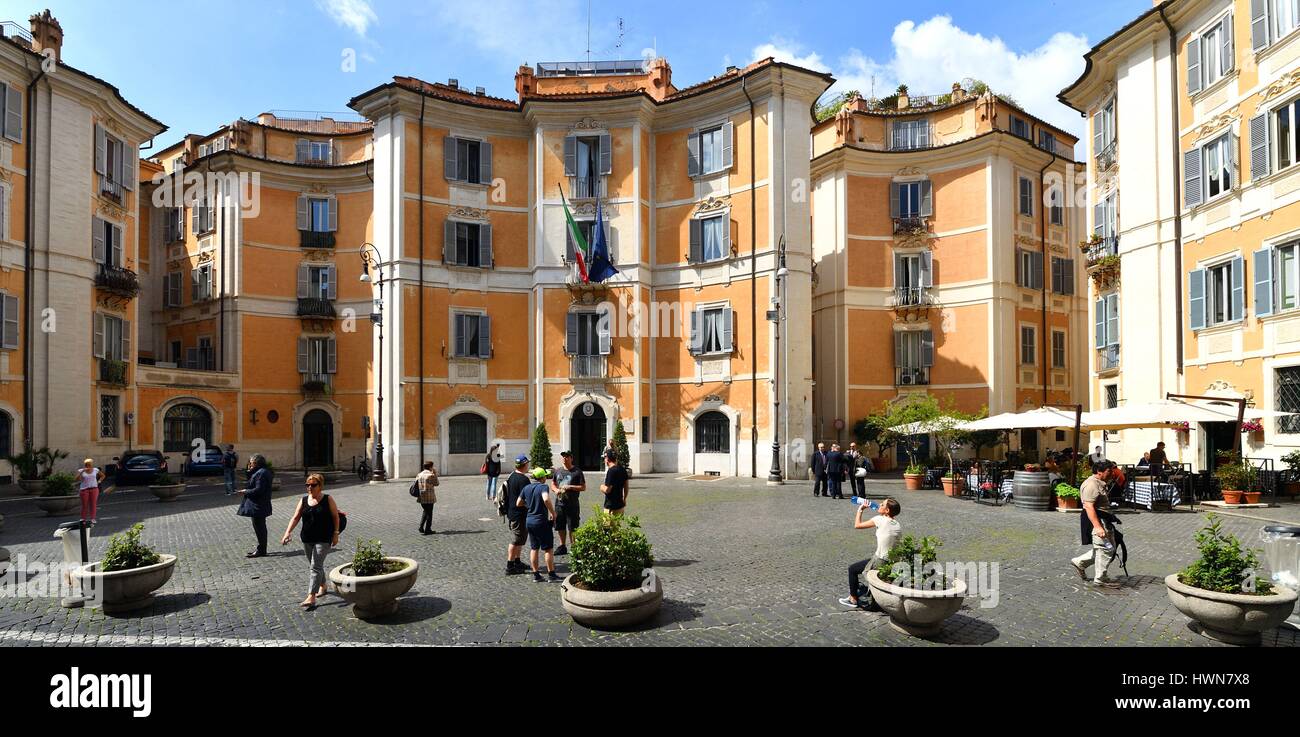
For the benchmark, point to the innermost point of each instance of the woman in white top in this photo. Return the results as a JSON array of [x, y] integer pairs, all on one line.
[[887, 533], [88, 480]]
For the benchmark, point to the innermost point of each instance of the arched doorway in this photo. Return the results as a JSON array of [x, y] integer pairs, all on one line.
[[713, 433], [467, 434], [318, 439], [588, 433], [183, 424]]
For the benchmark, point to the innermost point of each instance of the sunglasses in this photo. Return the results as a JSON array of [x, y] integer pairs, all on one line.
[[312, 484]]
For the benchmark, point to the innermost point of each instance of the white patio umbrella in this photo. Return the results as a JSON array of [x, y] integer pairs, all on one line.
[[1252, 413], [938, 424], [1154, 414], [1043, 418]]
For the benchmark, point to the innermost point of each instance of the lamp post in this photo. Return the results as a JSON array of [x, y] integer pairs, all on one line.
[[774, 475], [372, 259]]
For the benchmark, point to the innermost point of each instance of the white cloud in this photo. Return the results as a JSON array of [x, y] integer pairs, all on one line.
[[515, 32], [930, 56], [357, 15], [792, 53]]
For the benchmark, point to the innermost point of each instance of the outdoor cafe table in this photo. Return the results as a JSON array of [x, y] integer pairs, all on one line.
[[1147, 493]]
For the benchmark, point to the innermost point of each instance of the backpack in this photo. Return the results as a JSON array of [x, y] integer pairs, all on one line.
[[502, 501]]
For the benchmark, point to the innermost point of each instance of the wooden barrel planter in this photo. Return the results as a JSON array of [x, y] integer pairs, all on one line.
[[1033, 491]]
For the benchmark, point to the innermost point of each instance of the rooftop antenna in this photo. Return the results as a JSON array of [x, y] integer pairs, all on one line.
[[588, 31]]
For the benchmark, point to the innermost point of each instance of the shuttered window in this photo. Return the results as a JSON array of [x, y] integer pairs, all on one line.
[[1218, 294], [201, 283], [112, 337], [908, 135], [1057, 209], [1028, 345], [12, 119], [472, 336], [712, 331], [587, 334], [9, 321], [1026, 196], [711, 150], [1058, 349], [1029, 269], [317, 358], [467, 160], [467, 244], [174, 289], [1210, 55], [911, 200], [1063, 275], [106, 243]]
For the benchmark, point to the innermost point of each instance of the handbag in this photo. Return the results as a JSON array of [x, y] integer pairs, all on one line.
[[415, 488], [343, 521], [483, 469]]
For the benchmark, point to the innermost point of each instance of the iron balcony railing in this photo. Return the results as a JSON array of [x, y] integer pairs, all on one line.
[[316, 307], [315, 239], [585, 188], [110, 188], [1106, 157], [314, 384], [911, 225], [119, 281], [590, 68], [912, 376], [112, 371], [1108, 246], [1108, 358], [913, 297], [588, 367]]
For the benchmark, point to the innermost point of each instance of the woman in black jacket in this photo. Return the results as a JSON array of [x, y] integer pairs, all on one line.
[[492, 469], [257, 500]]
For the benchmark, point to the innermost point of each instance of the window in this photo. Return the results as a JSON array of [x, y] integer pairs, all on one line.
[[712, 331], [1047, 141], [1218, 159], [712, 433], [9, 320], [467, 244], [106, 243], [314, 152], [1286, 277], [1217, 294], [177, 352], [114, 163], [183, 424], [317, 282], [1029, 269], [710, 238], [1106, 330], [710, 150], [12, 102], [1058, 349], [1287, 398], [906, 135], [1019, 127], [587, 334], [173, 224], [201, 216], [1028, 345], [1286, 16], [6, 434], [587, 178], [1057, 207], [201, 283], [202, 358], [317, 358], [1112, 396], [1026, 196], [1103, 129], [1210, 55], [1063, 275], [911, 200], [1105, 223], [913, 357], [318, 214], [472, 336], [913, 275], [467, 434], [112, 337], [467, 160], [110, 416], [173, 290]]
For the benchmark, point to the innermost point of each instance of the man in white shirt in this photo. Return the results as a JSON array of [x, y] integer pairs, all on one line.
[[1096, 457], [888, 531]]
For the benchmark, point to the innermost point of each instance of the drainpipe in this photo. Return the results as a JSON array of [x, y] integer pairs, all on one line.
[[1044, 337], [753, 284], [1178, 191], [420, 320], [29, 275]]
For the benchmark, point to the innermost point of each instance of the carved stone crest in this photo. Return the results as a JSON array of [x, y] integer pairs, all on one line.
[[1219, 121], [713, 204], [467, 399], [910, 171], [1282, 85], [587, 124], [469, 213]]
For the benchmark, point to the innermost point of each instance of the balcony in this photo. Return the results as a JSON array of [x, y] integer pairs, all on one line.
[[317, 308], [111, 189], [911, 226], [909, 376], [1108, 358], [912, 304], [588, 367], [586, 188], [315, 239], [574, 279], [1101, 256], [112, 372], [315, 386], [1107, 157], [117, 280], [1095, 250]]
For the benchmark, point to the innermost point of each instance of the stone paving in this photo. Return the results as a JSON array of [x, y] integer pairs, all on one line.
[[742, 564]]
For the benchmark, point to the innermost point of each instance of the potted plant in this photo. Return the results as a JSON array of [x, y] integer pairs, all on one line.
[[34, 467], [1067, 496], [1292, 485], [914, 477], [166, 488], [1235, 478], [953, 484], [913, 590], [1223, 591], [59, 496], [613, 584], [128, 575], [372, 581]]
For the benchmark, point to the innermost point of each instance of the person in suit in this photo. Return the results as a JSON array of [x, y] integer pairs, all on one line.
[[819, 470], [835, 465], [855, 461], [257, 500]]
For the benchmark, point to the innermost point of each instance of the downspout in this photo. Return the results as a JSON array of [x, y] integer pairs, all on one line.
[[1178, 191], [753, 283], [29, 275], [1044, 337], [420, 320]]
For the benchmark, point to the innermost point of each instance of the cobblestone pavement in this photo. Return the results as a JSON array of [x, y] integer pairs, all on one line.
[[742, 563]]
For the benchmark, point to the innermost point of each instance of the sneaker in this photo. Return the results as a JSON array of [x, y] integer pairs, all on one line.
[[561, 550], [537, 577], [848, 602], [551, 575], [1105, 584], [1083, 572]]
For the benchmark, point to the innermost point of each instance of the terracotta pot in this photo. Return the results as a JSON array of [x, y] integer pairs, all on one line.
[[912, 481], [1252, 497], [954, 486], [1065, 503], [1231, 497]]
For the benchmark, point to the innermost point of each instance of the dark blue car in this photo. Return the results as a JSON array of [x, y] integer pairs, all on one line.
[[140, 467], [209, 463]]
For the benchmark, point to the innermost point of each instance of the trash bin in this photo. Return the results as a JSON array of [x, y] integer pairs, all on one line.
[[76, 553], [1282, 554]]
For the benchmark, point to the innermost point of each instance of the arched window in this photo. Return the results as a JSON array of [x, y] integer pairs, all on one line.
[[182, 424], [712, 433], [467, 433], [6, 435]]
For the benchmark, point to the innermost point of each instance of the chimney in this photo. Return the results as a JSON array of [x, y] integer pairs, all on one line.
[[47, 34], [958, 93], [525, 81], [661, 78]]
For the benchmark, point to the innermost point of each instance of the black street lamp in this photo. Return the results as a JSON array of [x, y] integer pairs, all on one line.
[[372, 259], [774, 475]]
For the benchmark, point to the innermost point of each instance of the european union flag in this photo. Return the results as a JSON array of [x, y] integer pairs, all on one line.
[[600, 269]]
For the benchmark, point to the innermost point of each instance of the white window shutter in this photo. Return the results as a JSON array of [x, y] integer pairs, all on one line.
[[333, 274], [606, 154], [116, 232], [449, 241], [1112, 320], [485, 162], [1263, 282], [895, 199], [98, 247], [693, 154], [1099, 324], [13, 122], [927, 269], [332, 355], [695, 253], [570, 156], [128, 160], [728, 330], [1196, 298], [304, 281], [304, 213], [603, 338], [304, 365], [1260, 156], [1238, 288], [484, 336], [728, 145], [571, 333], [1193, 65], [1260, 36], [449, 150], [696, 336], [1192, 194], [126, 341], [101, 151], [1227, 58], [927, 348], [333, 226], [98, 342], [4, 213], [10, 332], [726, 234], [927, 199]]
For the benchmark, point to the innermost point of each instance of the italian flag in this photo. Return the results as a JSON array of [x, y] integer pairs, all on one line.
[[580, 246]]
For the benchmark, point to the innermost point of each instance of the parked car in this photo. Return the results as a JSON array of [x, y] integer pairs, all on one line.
[[209, 465], [139, 468]]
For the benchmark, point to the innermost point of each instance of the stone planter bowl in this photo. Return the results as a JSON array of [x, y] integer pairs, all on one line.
[[124, 591], [2, 523], [1237, 619], [32, 487], [59, 506], [611, 609], [4, 562], [916, 612], [167, 493], [372, 597]]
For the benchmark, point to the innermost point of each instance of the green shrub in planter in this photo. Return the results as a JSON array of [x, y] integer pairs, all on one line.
[[916, 553], [1235, 474], [610, 552], [1065, 491], [60, 484], [126, 552], [165, 479], [369, 560], [915, 469], [1224, 566]]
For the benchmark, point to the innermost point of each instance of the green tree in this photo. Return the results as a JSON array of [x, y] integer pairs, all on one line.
[[921, 409], [833, 106], [540, 454], [620, 445]]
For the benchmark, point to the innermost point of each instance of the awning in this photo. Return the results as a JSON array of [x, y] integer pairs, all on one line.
[[1044, 418], [1155, 414]]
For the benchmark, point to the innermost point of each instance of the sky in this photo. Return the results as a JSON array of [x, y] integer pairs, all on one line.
[[197, 65]]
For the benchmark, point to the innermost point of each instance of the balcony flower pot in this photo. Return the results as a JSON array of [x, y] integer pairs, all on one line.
[[167, 492], [913, 481], [128, 590], [373, 597], [917, 612], [1237, 619], [611, 610], [953, 485]]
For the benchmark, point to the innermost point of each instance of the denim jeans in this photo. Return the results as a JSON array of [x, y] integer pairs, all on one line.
[[230, 480], [492, 487], [316, 553]]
